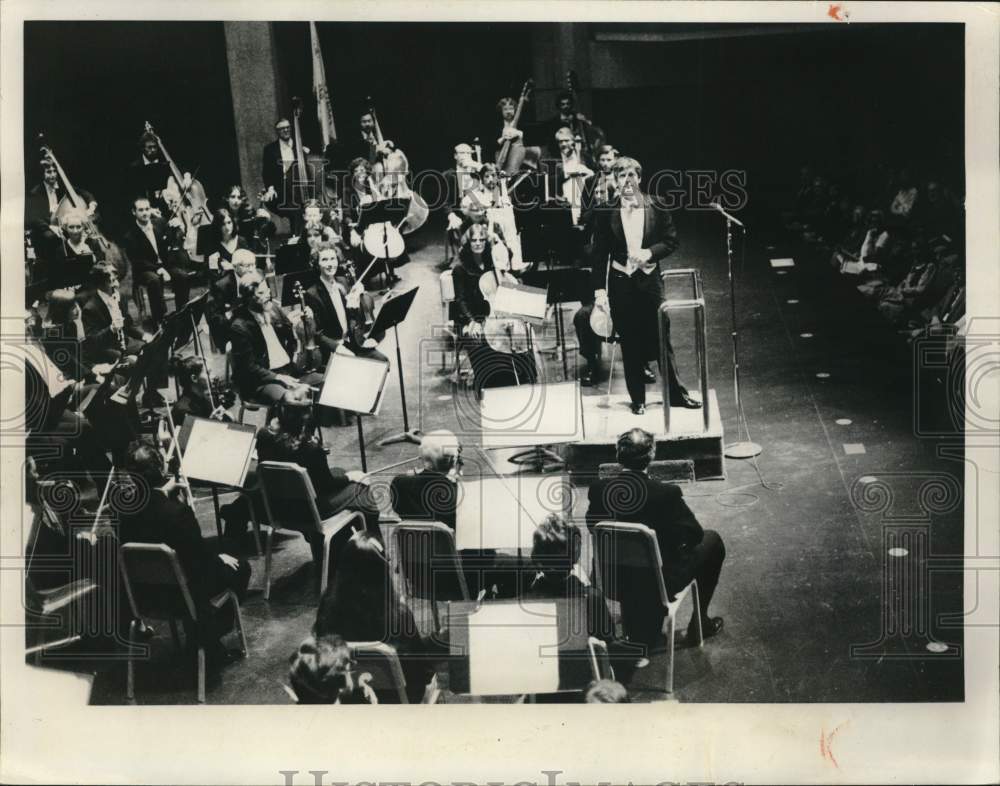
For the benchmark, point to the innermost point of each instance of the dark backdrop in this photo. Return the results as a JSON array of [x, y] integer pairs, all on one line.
[[845, 97]]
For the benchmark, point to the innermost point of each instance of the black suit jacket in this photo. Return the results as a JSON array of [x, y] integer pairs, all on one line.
[[425, 496], [271, 168], [164, 520], [140, 252], [147, 180], [97, 323], [659, 236], [329, 331], [250, 361], [635, 498]]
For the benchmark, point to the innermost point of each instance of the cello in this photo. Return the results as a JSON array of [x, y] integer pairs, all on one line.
[[510, 156], [192, 204]]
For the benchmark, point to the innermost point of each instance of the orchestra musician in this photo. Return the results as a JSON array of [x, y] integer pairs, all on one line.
[[633, 234], [63, 328], [223, 295], [277, 166], [151, 246], [40, 206], [148, 174], [604, 186], [254, 225], [339, 313], [362, 192], [507, 107], [108, 331], [459, 181], [566, 117], [196, 397], [226, 240], [571, 189], [490, 367], [263, 348], [342, 153]]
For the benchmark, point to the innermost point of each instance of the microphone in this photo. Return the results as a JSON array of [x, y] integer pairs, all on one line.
[[716, 206]]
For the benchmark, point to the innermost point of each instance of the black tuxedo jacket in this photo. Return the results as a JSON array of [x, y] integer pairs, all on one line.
[[147, 180], [271, 168], [636, 498], [250, 361], [140, 252], [97, 324], [329, 331], [659, 235]]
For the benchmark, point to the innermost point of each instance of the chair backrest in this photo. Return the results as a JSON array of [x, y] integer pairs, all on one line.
[[626, 549], [381, 662], [426, 559], [289, 496], [664, 471], [154, 579]]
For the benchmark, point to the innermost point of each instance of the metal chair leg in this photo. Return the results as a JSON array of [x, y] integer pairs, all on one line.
[[130, 664], [239, 625], [256, 529], [670, 655], [201, 674], [696, 600], [267, 563]]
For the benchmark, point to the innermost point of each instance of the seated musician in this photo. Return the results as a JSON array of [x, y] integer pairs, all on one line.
[[108, 331], [55, 432], [431, 492], [165, 517], [329, 216], [323, 672], [196, 395], [151, 247], [79, 253], [226, 241], [688, 551], [290, 435], [363, 192], [40, 206], [338, 312], [65, 338], [224, 296], [263, 348], [254, 225], [459, 181], [362, 604], [565, 117]]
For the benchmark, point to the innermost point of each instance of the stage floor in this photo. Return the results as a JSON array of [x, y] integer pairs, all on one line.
[[806, 561]]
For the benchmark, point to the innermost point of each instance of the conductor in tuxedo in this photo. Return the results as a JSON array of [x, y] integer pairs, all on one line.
[[633, 234], [155, 259], [688, 551]]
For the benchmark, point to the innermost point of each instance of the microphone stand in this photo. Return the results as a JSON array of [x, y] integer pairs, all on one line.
[[739, 449]]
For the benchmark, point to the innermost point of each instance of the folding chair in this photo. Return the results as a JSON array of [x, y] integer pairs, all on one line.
[[623, 548], [447, 285], [666, 471], [290, 504], [378, 664], [423, 551], [149, 572]]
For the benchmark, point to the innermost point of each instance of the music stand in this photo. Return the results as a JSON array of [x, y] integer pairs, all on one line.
[[365, 377], [393, 311], [533, 416], [292, 258], [204, 441], [564, 285]]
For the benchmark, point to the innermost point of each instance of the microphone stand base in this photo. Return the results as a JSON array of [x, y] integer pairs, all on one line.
[[741, 450]]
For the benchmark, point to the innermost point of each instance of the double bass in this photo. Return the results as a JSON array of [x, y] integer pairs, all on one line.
[[192, 203], [592, 137], [390, 171], [308, 181], [511, 154]]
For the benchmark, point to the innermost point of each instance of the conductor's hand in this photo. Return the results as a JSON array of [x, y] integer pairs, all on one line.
[[230, 561]]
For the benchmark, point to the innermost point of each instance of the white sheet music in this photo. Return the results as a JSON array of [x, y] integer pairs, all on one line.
[[522, 301], [218, 452], [523, 415], [354, 383], [506, 642], [495, 513]]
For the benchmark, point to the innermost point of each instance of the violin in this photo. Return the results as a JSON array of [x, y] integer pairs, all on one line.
[[510, 156], [310, 357], [593, 137], [192, 204]]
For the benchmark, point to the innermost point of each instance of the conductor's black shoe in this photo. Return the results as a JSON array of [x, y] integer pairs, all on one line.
[[638, 409], [710, 626], [686, 401], [648, 375]]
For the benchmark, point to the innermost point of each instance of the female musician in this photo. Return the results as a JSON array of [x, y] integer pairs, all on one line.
[[340, 316], [314, 212], [264, 345], [79, 253], [254, 225], [197, 396], [227, 239], [490, 367], [65, 339]]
